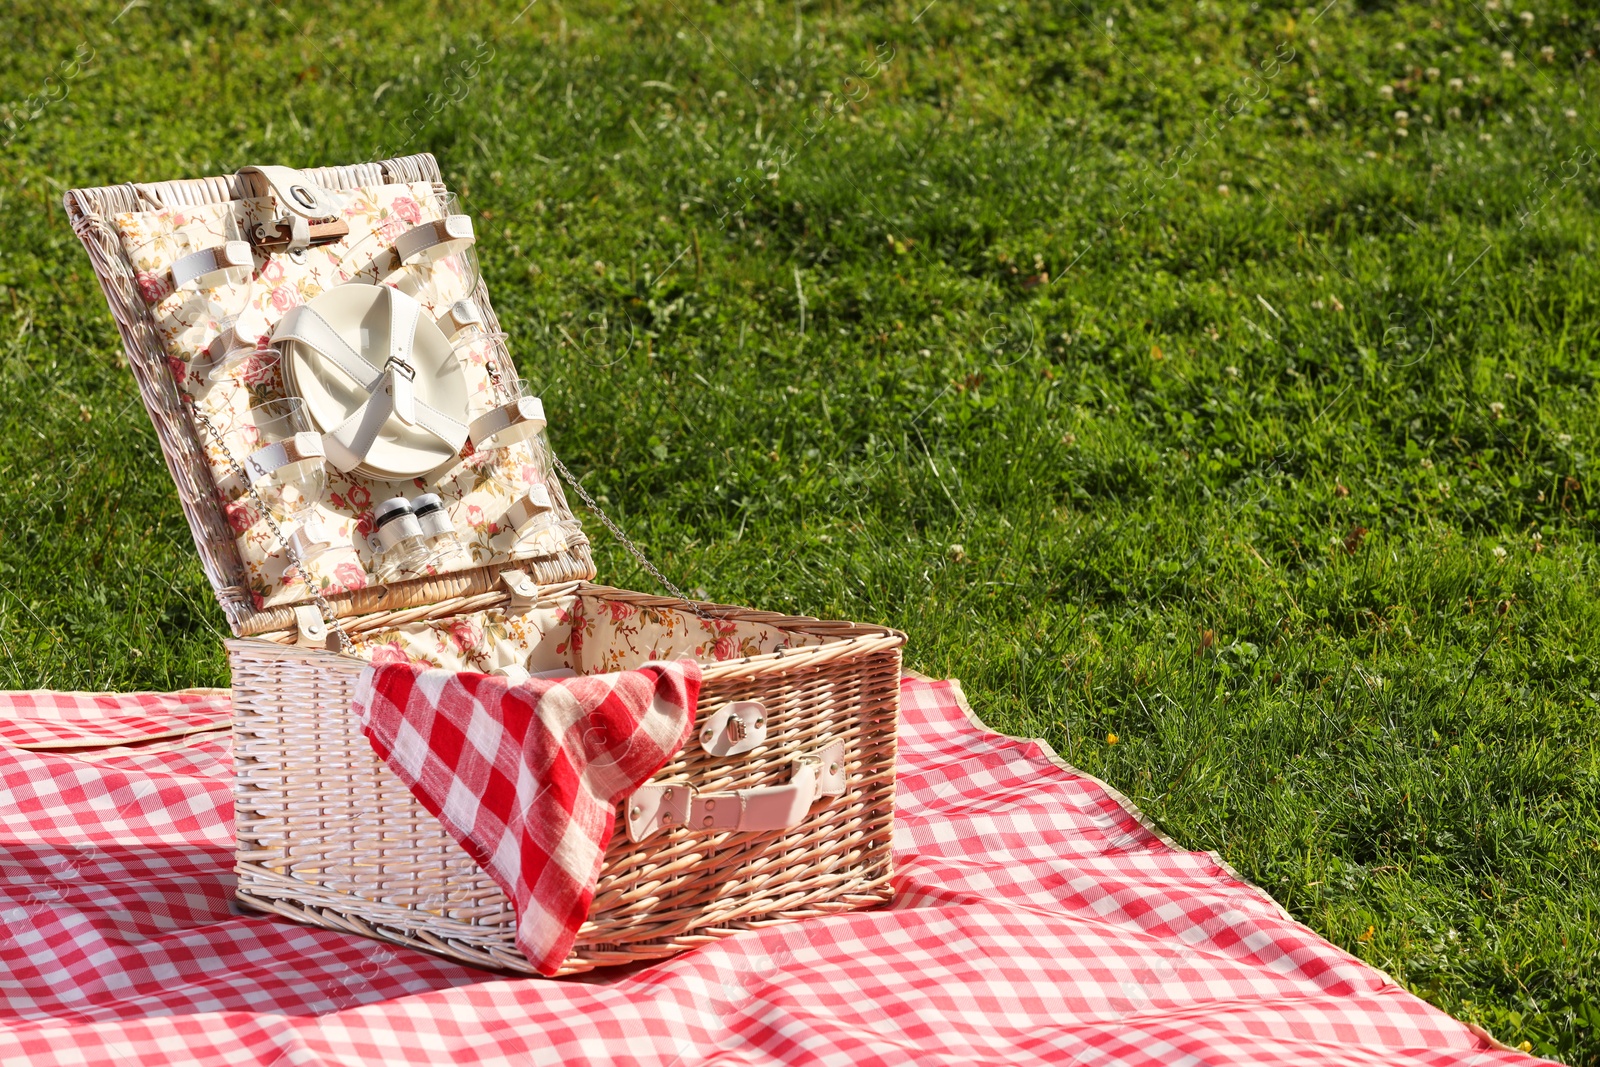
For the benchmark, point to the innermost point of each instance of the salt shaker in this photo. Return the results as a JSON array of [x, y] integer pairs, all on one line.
[[405, 550], [442, 539]]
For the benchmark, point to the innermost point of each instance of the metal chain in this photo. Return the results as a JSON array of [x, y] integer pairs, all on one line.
[[345, 644], [627, 542]]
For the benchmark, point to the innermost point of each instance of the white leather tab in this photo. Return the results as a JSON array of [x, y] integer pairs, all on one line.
[[656, 807], [264, 460], [312, 630], [293, 191], [720, 811], [512, 673], [268, 458], [734, 728], [312, 539], [442, 237], [778, 807], [204, 268], [458, 317], [556, 673], [299, 234], [508, 423], [831, 775], [521, 590], [529, 511]]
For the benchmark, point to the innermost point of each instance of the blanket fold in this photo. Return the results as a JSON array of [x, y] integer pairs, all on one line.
[[527, 777]]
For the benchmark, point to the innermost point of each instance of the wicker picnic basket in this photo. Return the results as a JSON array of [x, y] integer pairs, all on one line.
[[327, 835]]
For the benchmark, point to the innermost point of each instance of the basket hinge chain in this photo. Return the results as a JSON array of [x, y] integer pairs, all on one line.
[[627, 543], [345, 644]]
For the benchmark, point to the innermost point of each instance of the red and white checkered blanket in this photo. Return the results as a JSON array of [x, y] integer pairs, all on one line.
[[527, 777], [1038, 921]]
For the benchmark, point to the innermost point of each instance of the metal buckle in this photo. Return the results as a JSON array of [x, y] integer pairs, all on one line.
[[815, 763], [402, 367], [736, 729], [277, 235]]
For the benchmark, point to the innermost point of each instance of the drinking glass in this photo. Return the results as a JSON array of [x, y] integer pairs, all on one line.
[[516, 456], [162, 266], [441, 274], [287, 468], [240, 352]]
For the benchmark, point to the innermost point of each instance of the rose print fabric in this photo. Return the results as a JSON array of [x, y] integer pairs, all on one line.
[[587, 634], [190, 326]]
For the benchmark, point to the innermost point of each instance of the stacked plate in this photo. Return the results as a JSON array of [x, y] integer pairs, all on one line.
[[337, 387]]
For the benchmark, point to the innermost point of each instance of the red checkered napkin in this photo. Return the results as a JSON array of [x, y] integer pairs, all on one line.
[[527, 777]]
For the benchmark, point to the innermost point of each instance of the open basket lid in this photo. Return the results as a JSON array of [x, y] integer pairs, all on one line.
[[164, 335]]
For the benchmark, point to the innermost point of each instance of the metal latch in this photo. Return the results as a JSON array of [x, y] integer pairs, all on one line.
[[279, 234], [311, 630], [521, 590]]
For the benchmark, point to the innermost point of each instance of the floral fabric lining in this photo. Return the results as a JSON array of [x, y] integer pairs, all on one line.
[[189, 324], [587, 634]]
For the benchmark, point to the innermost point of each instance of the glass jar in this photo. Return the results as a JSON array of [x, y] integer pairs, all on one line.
[[404, 553], [450, 554]]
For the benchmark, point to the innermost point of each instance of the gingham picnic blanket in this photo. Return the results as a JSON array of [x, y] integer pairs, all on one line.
[[526, 777], [1038, 920]]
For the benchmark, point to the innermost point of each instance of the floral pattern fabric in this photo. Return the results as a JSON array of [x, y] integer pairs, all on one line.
[[190, 324], [587, 634]]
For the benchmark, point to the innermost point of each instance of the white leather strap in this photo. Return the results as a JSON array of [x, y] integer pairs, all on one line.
[[443, 237], [403, 315], [350, 441], [312, 539], [508, 423], [670, 805], [302, 323], [268, 458], [390, 388], [293, 191], [203, 267]]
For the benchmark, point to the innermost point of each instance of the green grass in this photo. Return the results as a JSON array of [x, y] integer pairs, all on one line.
[[1261, 439]]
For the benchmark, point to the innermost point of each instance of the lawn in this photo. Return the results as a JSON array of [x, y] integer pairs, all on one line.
[[1212, 387]]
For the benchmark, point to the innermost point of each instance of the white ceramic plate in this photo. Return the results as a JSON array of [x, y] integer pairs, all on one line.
[[360, 314]]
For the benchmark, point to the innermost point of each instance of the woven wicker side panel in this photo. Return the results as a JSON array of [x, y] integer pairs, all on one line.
[[327, 835], [90, 211]]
